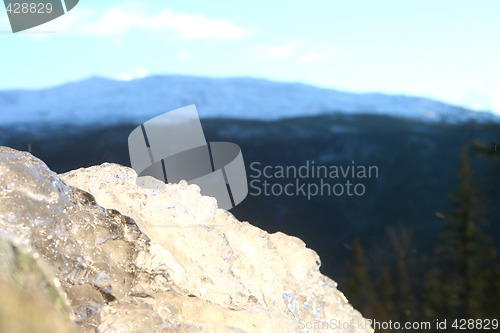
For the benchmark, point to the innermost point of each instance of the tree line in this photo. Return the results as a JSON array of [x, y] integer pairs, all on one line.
[[459, 280]]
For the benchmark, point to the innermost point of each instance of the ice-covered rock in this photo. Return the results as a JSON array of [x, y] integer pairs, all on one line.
[[159, 258], [29, 290]]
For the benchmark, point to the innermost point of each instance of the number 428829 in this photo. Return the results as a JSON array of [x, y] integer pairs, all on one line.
[[29, 7]]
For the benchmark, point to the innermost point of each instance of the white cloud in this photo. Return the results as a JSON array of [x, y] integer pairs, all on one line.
[[119, 20], [200, 27], [275, 52], [313, 57], [494, 102], [137, 73], [299, 51], [484, 98], [185, 55], [278, 52]]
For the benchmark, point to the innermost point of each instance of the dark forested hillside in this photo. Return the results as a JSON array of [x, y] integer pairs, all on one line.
[[417, 164]]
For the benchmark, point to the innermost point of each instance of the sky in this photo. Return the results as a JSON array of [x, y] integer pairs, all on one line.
[[447, 50]]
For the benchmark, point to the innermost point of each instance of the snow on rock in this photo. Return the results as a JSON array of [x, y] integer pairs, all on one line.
[[159, 257]]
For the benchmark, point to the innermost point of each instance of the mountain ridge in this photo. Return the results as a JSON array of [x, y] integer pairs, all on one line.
[[90, 101]]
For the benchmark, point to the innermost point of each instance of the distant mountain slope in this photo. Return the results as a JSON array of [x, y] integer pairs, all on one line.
[[106, 102]]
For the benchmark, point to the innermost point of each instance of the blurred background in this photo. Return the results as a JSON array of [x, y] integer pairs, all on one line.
[[411, 88]]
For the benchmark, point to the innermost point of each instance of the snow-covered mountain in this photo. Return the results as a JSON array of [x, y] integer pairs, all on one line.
[[103, 101]]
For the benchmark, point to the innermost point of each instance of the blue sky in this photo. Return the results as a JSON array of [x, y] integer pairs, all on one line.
[[449, 50]]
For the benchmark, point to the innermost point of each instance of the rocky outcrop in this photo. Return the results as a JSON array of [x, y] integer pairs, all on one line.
[[158, 257]]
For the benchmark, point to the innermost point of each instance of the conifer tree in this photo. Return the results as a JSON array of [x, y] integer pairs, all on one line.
[[359, 288], [384, 308], [404, 298], [465, 257]]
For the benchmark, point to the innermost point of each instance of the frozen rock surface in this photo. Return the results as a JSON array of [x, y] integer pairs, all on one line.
[[162, 258], [28, 290]]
